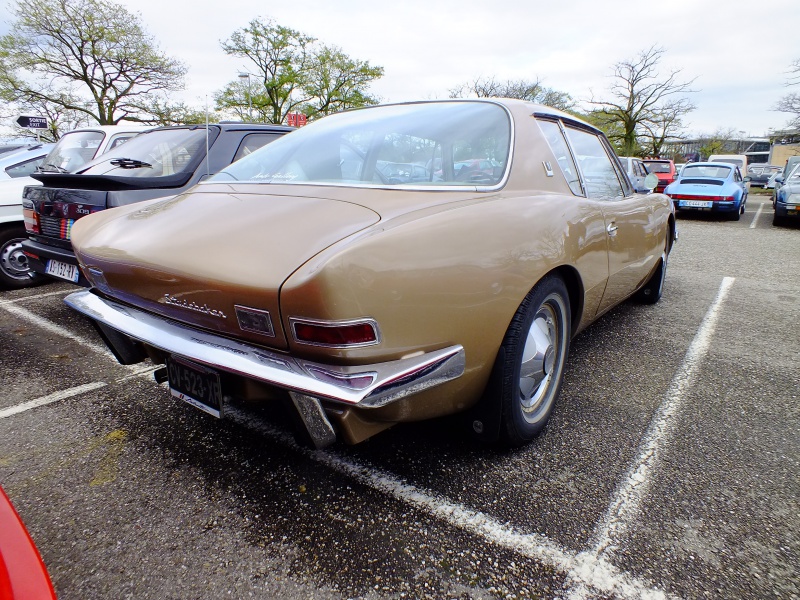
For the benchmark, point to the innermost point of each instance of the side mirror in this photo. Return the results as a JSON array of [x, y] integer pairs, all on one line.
[[651, 181], [747, 179], [779, 179]]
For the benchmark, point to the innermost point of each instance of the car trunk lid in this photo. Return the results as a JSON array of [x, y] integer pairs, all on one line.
[[197, 257]]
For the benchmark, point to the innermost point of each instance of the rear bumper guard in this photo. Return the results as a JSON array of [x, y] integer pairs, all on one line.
[[365, 386]]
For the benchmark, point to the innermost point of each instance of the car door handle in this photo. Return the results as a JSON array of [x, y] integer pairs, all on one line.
[[611, 229]]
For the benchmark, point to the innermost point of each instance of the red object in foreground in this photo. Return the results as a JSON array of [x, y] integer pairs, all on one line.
[[23, 575]]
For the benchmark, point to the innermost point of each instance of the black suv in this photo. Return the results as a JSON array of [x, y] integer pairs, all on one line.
[[160, 162]]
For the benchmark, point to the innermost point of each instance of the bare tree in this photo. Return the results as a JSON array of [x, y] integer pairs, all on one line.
[[85, 56], [791, 102], [522, 89], [640, 95], [664, 126]]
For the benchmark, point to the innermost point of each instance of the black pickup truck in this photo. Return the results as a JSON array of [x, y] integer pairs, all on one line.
[[160, 162]]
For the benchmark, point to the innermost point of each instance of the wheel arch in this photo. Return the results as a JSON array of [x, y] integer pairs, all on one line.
[[572, 279]]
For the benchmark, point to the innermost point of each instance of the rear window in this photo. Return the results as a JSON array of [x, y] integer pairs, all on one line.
[[657, 166], [699, 171], [158, 153], [426, 144], [72, 151]]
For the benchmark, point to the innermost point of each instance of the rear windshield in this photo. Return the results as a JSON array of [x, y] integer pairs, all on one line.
[[72, 151], [657, 166], [426, 144], [712, 171], [730, 161], [157, 153]]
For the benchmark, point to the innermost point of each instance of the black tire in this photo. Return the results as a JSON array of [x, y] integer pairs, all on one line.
[[14, 270], [539, 336], [776, 220], [652, 291], [735, 215]]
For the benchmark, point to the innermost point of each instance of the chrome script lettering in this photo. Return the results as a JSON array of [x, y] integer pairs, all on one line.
[[172, 300]]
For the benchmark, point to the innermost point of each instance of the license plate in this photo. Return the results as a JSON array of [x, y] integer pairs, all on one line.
[[195, 384], [695, 203], [56, 268]]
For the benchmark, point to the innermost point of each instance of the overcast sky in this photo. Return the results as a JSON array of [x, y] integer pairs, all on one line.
[[734, 49]]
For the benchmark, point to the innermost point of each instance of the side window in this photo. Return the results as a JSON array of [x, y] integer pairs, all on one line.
[[119, 140], [552, 132], [601, 177], [24, 169], [253, 142]]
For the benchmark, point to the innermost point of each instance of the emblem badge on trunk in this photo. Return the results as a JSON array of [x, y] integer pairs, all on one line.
[[173, 301]]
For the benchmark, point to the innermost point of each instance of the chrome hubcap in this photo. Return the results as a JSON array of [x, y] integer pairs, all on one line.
[[540, 357], [13, 261]]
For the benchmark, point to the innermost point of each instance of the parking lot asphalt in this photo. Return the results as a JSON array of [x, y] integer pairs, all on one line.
[[669, 468]]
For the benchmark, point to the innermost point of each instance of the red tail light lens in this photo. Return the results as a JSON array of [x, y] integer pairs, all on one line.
[[336, 334], [31, 220]]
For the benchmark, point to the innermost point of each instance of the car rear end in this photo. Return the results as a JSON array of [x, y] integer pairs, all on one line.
[[664, 170]]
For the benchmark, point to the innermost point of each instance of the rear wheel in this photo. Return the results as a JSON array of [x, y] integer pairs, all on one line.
[[533, 355], [14, 269]]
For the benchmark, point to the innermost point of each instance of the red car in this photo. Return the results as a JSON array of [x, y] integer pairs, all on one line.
[[23, 575], [663, 169]]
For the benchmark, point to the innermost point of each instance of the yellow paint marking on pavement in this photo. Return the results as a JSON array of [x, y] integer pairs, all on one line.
[[109, 465]]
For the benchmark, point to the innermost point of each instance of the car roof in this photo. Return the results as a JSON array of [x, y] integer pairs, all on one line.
[[23, 154], [229, 126]]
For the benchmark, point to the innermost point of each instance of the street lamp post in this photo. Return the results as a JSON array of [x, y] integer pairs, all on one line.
[[244, 75]]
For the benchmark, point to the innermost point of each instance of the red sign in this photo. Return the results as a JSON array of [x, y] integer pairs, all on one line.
[[296, 119]]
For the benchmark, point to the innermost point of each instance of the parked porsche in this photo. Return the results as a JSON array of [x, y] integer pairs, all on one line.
[[714, 187], [787, 199], [302, 273]]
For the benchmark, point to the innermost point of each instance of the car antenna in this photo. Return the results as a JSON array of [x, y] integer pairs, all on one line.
[[208, 169]]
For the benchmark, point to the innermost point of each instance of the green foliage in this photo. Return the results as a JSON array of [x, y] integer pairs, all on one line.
[[88, 57], [292, 73]]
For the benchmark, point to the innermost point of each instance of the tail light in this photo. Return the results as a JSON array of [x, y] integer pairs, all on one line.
[[694, 197], [30, 218], [335, 334]]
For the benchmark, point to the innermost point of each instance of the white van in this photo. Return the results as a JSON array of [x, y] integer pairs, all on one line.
[[740, 160]]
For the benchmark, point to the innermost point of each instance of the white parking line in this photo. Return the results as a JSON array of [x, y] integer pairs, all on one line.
[[589, 571], [35, 297], [624, 508], [54, 397], [586, 572], [27, 315], [758, 214]]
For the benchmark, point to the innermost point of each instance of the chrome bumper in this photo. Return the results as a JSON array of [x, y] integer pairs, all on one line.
[[367, 386]]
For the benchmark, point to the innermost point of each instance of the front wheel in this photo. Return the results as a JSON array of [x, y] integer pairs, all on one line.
[[14, 269], [533, 355]]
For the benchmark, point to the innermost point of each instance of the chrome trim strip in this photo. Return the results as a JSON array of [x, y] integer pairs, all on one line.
[[366, 386]]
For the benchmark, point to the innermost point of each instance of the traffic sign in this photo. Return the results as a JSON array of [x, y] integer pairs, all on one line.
[[32, 122]]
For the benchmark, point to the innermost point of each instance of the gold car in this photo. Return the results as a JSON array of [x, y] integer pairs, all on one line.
[[382, 265]]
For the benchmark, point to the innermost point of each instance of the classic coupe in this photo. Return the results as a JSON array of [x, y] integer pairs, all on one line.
[[714, 187], [303, 273]]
